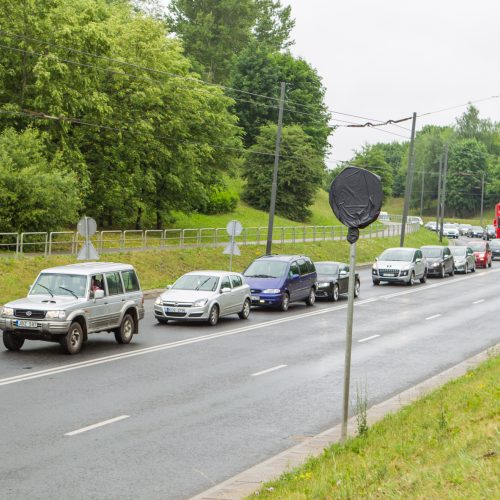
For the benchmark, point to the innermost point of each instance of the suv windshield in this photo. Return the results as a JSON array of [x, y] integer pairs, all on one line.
[[266, 269], [402, 254], [458, 251], [60, 284], [326, 268], [196, 282], [432, 252]]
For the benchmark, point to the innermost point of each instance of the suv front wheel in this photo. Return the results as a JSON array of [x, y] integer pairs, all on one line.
[[12, 341], [124, 334], [72, 342]]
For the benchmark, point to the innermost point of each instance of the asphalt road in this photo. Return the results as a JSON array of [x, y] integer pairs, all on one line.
[[187, 406]]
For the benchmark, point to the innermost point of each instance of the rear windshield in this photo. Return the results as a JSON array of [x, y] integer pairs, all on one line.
[[432, 252], [196, 282], [266, 269], [326, 268], [402, 254]]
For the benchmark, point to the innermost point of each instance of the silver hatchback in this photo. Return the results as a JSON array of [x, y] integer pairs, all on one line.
[[204, 296], [67, 303], [400, 265]]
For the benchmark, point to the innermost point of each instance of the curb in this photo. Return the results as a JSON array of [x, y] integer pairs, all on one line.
[[251, 480]]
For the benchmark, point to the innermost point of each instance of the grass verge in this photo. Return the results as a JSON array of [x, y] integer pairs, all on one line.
[[445, 445], [157, 268]]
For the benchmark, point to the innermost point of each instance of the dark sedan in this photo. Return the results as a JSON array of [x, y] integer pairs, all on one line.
[[475, 232], [439, 261], [333, 280], [495, 248]]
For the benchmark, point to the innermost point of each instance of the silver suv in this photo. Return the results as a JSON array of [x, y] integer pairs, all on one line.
[[400, 265], [66, 303]]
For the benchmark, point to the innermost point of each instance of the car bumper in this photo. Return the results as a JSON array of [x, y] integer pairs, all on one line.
[[431, 271], [184, 314], [267, 299], [323, 292], [391, 279], [42, 327]]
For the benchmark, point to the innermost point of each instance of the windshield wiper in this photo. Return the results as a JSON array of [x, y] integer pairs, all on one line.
[[202, 283], [260, 276], [48, 289], [68, 290]]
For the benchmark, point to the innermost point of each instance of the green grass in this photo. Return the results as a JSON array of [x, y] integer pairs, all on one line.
[[444, 446], [157, 268]]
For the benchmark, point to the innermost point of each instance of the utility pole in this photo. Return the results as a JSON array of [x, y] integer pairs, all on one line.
[[444, 191], [422, 193], [409, 180], [274, 187], [482, 198], [438, 209]]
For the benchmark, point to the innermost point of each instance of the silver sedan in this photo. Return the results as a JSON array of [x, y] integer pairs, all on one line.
[[204, 296]]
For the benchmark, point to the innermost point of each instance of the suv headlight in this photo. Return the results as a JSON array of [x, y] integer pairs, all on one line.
[[7, 311], [271, 290], [55, 314], [200, 303], [158, 301]]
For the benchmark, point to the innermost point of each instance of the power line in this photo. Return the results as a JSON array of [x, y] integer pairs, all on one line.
[[459, 105]]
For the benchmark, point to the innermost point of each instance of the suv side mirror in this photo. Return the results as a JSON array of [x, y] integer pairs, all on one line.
[[98, 294]]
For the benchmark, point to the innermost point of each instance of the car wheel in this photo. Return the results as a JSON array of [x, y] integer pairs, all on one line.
[[245, 311], [12, 342], [452, 272], [412, 279], [423, 279], [466, 268], [473, 270], [376, 282], [335, 293], [213, 315], [489, 263], [357, 288], [162, 321], [285, 302], [124, 334], [72, 342], [441, 272], [311, 298]]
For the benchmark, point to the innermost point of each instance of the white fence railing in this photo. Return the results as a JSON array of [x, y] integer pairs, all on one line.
[[108, 241]]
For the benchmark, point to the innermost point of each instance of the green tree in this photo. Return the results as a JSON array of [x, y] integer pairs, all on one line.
[[35, 195], [274, 25], [300, 173]]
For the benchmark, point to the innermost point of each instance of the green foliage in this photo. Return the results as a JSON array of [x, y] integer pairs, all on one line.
[[34, 194], [300, 172], [218, 201], [274, 25]]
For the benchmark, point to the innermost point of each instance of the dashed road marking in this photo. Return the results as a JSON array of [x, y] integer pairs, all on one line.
[[269, 370], [96, 426]]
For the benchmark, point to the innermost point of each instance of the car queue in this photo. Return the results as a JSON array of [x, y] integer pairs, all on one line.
[[66, 304]]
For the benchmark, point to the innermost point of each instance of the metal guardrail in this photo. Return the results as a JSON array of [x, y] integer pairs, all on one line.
[[109, 241]]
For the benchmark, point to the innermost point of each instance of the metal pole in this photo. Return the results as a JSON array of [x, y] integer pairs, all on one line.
[[409, 180], [274, 187], [438, 208], [444, 191], [348, 338], [482, 199], [422, 193]]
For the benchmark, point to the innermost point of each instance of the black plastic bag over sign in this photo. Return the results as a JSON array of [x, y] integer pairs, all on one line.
[[356, 197]]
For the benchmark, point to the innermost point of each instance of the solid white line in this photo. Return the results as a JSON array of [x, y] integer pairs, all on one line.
[[478, 301], [369, 338], [433, 317], [269, 370], [203, 338], [95, 426]]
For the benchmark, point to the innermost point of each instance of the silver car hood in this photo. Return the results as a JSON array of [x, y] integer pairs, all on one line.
[[45, 302], [186, 295]]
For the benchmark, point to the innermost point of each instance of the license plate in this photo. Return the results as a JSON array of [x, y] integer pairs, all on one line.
[[390, 275], [176, 310], [24, 323], [255, 297]]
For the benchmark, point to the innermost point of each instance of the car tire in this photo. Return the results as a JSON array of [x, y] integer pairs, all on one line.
[[125, 332], [441, 272], [423, 279], [72, 342], [412, 279], [376, 282], [285, 302], [452, 272], [334, 295], [489, 263], [473, 270], [357, 288], [213, 315], [245, 311], [12, 341], [311, 298], [466, 269], [162, 321]]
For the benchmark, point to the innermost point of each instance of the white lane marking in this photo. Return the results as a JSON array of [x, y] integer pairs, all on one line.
[[478, 301], [279, 367], [433, 317], [203, 338], [369, 338], [95, 426]]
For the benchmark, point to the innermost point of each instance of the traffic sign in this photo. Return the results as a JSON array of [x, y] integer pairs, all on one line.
[[87, 227], [234, 228]]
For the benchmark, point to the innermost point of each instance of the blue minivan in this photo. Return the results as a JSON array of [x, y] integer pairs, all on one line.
[[277, 280]]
